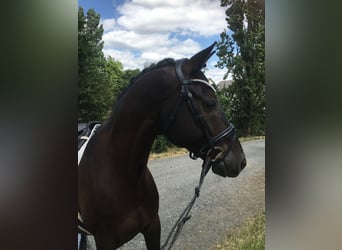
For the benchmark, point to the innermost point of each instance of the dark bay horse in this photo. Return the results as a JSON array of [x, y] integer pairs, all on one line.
[[117, 195]]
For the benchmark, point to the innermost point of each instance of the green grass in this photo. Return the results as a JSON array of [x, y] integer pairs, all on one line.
[[250, 237]]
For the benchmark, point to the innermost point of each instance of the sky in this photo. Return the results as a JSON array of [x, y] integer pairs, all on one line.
[[140, 32]]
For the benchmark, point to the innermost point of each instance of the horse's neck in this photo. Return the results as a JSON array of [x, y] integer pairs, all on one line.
[[133, 128]]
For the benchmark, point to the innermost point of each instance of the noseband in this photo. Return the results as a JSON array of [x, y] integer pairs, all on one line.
[[197, 116]]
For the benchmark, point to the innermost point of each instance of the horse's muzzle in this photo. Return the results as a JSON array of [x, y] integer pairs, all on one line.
[[227, 167]]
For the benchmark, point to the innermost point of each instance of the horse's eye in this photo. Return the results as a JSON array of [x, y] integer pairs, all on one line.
[[210, 104]]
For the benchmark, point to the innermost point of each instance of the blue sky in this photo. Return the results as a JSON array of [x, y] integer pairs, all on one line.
[[140, 32]]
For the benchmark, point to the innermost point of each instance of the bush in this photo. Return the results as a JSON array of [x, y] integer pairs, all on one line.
[[161, 144]]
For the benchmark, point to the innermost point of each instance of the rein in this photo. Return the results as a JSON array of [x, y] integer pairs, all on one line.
[[184, 217]]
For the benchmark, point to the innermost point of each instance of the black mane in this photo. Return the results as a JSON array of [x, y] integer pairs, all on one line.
[[153, 66]]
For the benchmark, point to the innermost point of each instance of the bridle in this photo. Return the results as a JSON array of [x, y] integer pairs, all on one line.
[[186, 95]]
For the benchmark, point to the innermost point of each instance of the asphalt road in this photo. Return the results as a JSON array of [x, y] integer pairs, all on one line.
[[224, 203]]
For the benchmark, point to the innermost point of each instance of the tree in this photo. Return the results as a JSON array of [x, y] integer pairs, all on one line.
[[118, 78], [126, 78], [242, 52], [115, 73], [94, 96]]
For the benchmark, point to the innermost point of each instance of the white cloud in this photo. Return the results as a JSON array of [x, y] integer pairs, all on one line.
[[147, 31], [214, 73], [205, 18], [128, 59], [108, 24], [173, 49], [127, 39], [155, 3]]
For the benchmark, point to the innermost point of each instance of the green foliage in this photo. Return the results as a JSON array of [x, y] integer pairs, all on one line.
[[119, 78], [115, 72], [94, 96], [161, 144], [100, 80], [126, 77], [242, 52]]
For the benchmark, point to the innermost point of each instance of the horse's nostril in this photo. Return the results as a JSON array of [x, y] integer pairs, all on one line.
[[243, 163]]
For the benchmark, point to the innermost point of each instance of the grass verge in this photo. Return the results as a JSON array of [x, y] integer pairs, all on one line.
[[174, 151], [251, 138], [249, 237]]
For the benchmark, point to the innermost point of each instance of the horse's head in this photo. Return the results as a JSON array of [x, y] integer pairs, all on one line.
[[193, 118]]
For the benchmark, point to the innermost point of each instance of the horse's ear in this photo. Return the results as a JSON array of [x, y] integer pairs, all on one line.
[[199, 60]]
